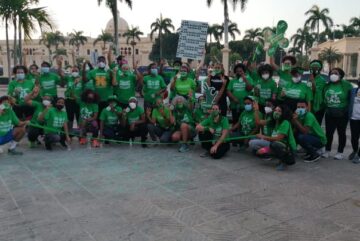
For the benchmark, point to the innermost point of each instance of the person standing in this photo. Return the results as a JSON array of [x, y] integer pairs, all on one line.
[[354, 114]]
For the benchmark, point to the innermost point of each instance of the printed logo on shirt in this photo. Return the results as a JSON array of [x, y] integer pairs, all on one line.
[[58, 122], [125, 84], [100, 81], [48, 84], [5, 126]]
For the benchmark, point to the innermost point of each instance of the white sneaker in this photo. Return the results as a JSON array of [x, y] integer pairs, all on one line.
[[339, 156], [321, 151], [326, 154]]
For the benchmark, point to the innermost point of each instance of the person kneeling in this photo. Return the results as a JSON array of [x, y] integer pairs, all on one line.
[[213, 132], [110, 121]]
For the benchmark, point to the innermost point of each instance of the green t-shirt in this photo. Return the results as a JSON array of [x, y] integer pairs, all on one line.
[[134, 115], [19, 90], [88, 110], [269, 126], [8, 120], [48, 84], [318, 100], [183, 87], [237, 87], [110, 117], [102, 83], [218, 127], [315, 129], [39, 108], [298, 91], [285, 79], [72, 89], [336, 95], [152, 85], [125, 87], [31, 77], [285, 129], [266, 90], [200, 114], [183, 116], [55, 119], [247, 121], [160, 120]]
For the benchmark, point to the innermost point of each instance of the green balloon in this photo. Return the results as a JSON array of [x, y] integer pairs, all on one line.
[[281, 26], [284, 43]]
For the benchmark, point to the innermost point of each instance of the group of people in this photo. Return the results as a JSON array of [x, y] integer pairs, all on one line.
[[247, 110]]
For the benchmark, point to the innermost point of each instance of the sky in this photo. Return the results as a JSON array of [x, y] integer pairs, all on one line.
[[87, 16]]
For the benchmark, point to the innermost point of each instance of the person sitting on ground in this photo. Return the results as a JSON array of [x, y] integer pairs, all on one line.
[[110, 120], [213, 132]]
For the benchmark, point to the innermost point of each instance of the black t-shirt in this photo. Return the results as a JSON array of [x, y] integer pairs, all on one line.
[[217, 83]]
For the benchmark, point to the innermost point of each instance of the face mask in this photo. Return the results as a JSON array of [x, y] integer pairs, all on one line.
[[127, 72], [46, 102], [180, 106], [87, 68], [265, 76], [177, 68], [296, 79], [212, 73], [217, 72], [59, 107], [315, 71], [248, 107], [90, 99], [334, 78], [276, 115], [101, 65], [300, 111], [2, 107], [154, 71], [214, 113], [75, 74], [183, 74], [286, 67], [20, 76], [268, 110], [45, 70], [132, 105]]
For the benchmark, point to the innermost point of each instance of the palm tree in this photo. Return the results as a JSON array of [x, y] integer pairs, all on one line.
[[162, 26], [233, 29], [295, 50], [349, 31], [355, 22], [112, 5], [302, 39], [105, 38], [330, 55], [215, 31], [254, 34], [60, 52], [226, 14], [76, 38], [132, 34], [50, 39], [317, 16]]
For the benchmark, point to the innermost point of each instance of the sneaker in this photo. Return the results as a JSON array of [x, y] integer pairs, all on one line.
[[312, 158], [356, 160], [48, 146], [82, 141], [63, 144], [301, 150], [280, 167], [352, 155], [266, 159], [326, 154], [306, 156], [321, 151], [184, 148], [95, 143], [339, 156], [205, 154], [14, 152]]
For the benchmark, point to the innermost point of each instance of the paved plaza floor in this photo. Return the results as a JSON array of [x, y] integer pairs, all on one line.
[[129, 193]]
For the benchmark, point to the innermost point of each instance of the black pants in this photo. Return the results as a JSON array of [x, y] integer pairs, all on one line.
[[34, 133], [114, 132], [355, 134], [72, 110], [23, 112], [140, 130], [320, 116], [339, 124], [223, 108], [221, 151], [102, 105], [236, 115], [282, 152]]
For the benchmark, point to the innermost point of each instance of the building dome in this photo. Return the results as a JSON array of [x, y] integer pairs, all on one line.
[[123, 26]]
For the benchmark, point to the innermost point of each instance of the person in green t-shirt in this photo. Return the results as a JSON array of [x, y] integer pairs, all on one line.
[[89, 111], [308, 132], [56, 127], [33, 74], [265, 88], [168, 75], [201, 111], [134, 122], [19, 88], [213, 132], [49, 81], [85, 70], [11, 129], [161, 122], [336, 99], [153, 86], [238, 88], [125, 82], [110, 120], [282, 140], [183, 85], [184, 122], [288, 63]]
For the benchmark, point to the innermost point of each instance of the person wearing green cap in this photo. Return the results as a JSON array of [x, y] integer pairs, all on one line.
[[183, 85], [184, 123], [153, 86], [110, 120], [282, 140], [213, 132]]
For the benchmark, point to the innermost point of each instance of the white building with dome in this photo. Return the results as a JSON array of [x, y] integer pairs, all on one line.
[[34, 52]]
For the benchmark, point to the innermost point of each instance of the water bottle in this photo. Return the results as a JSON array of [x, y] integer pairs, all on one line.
[[88, 140]]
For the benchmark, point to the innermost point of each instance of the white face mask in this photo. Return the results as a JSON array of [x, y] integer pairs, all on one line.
[[265, 76], [132, 105], [268, 110], [87, 68], [296, 79], [46, 102], [2, 107], [20, 76], [75, 74], [101, 65], [334, 78]]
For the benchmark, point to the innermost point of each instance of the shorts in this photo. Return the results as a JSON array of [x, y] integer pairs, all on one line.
[[7, 138]]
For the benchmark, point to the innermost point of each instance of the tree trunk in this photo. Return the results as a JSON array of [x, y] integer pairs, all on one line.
[[226, 25], [133, 47], [50, 55], [116, 30], [160, 42], [318, 31], [15, 42], [8, 48], [20, 45]]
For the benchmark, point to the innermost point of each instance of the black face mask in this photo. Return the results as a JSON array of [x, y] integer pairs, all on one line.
[[90, 99], [59, 107]]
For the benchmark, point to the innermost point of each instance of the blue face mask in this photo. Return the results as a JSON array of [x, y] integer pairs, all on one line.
[[248, 107], [300, 111], [45, 70], [154, 71], [20, 76]]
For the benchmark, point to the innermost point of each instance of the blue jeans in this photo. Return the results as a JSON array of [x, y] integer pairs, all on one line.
[[310, 143]]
